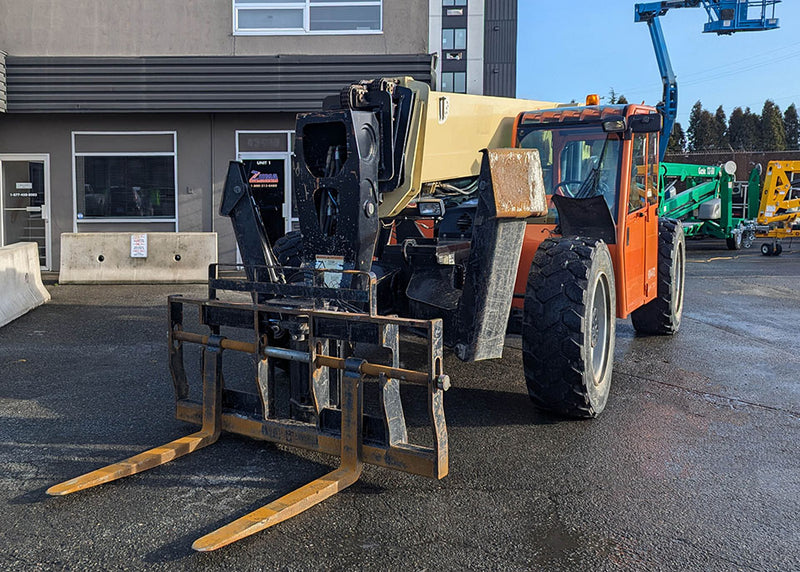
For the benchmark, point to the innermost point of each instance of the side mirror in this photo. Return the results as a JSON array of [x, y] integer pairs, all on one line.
[[646, 123]]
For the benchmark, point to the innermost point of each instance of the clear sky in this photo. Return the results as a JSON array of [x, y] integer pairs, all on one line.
[[570, 48]]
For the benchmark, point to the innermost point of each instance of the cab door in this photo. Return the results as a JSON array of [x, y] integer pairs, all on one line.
[[640, 239], [651, 220]]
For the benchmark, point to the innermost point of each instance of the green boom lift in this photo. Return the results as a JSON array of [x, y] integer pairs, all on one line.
[[707, 201]]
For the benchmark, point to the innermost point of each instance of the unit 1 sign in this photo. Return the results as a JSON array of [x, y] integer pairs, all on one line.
[[138, 246]]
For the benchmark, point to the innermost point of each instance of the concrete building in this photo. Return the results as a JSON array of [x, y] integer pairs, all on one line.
[[477, 43], [123, 116]]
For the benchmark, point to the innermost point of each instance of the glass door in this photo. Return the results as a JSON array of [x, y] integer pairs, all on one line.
[[24, 194], [270, 179]]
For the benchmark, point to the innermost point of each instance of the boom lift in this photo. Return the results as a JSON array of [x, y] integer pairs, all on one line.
[[724, 17], [779, 208], [704, 199]]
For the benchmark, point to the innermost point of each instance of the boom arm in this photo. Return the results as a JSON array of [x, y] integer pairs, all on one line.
[[724, 17]]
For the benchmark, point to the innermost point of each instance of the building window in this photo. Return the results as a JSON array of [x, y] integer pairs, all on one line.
[[454, 2], [454, 38], [125, 177], [455, 82], [276, 17]]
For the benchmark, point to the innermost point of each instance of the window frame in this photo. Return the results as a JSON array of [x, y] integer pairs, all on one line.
[[455, 47], [644, 154], [123, 220], [287, 155], [306, 6], [452, 75]]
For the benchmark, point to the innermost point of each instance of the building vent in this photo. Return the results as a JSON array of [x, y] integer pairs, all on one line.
[[2, 81]]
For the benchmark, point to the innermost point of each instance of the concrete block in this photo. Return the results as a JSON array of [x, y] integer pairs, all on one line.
[[21, 288], [105, 257]]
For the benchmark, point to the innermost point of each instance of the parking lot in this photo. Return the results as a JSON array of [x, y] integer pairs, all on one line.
[[694, 465]]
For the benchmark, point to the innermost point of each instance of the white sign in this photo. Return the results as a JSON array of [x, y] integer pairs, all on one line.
[[332, 279], [138, 246], [24, 186]]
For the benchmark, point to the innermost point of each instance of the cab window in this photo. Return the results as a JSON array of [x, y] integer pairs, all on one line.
[[543, 141], [637, 198], [652, 169]]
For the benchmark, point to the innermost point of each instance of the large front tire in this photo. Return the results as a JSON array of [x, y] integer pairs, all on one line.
[[662, 315], [569, 326]]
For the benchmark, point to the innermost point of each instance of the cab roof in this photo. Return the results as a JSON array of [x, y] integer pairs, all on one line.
[[578, 114]]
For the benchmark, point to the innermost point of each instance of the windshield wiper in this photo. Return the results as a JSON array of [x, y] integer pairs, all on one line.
[[588, 187]]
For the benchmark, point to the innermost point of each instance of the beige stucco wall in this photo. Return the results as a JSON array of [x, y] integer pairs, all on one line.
[[206, 143], [182, 27]]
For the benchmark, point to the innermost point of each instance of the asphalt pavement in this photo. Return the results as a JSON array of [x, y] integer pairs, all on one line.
[[694, 464]]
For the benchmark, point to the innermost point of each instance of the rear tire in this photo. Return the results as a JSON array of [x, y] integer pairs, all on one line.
[[662, 315], [766, 249], [735, 242], [569, 326], [778, 249]]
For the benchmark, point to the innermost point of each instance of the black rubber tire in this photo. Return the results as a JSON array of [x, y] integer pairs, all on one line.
[[766, 249], [778, 249], [735, 242], [569, 326], [288, 249], [662, 315]]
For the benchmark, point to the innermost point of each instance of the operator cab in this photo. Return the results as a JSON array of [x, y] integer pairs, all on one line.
[[600, 167], [581, 150]]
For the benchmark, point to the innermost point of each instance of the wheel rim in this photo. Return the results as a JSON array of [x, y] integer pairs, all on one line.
[[599, 329]]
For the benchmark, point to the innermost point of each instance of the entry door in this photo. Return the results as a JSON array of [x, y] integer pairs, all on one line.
[[269, 175], [24, 201]]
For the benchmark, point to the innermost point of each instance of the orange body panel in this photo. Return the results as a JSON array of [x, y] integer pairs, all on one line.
[[426, 228]]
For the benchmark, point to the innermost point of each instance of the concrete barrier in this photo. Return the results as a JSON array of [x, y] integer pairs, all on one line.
[[21, 288], [164, 257]]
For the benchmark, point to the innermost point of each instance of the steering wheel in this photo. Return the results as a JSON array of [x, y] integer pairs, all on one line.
[[566, 192]]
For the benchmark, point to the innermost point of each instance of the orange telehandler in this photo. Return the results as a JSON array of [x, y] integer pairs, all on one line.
[[547, 208]]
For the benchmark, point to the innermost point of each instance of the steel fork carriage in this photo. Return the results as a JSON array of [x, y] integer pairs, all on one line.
[[326, 410]]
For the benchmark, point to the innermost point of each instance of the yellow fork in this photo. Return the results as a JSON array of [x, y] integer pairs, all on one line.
[[314, 492], [208, 434]]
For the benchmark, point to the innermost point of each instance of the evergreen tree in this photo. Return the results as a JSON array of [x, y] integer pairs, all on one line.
[[791, 126], [773, 135], [677, 139], [615, 98], [752, 131], [737, 128], [721, 131], [702, 129]]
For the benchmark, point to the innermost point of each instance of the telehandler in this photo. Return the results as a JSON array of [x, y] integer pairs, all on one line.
[[569, 194], [551, 210]]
